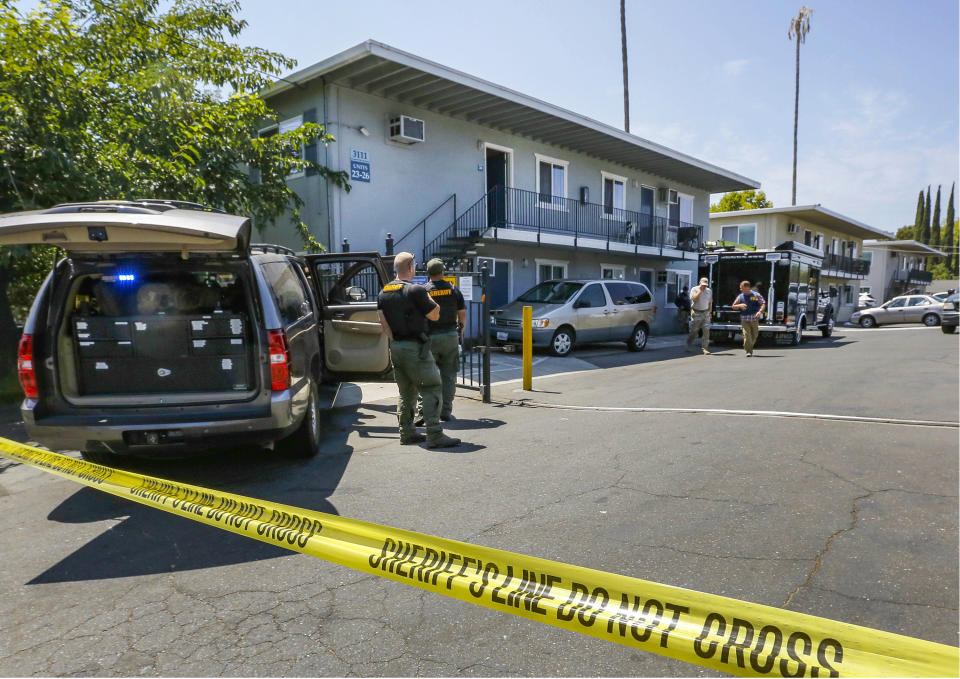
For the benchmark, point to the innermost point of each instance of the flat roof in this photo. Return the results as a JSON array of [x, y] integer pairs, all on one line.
[[813, 213], [382, 70], [913, 247]]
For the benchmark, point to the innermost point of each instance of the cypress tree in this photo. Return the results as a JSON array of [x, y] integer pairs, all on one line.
[[946, 236], [918, 220], [924, 235], [935, 224]]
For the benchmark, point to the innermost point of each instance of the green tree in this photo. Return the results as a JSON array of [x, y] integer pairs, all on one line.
[[935, 222], [741, 200], [924, 234], [918, 220], [948, 233], [140, 98], [904, 233]]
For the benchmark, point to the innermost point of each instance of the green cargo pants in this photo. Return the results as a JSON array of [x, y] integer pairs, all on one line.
[[415, 371], [445, 349], [751, 331]]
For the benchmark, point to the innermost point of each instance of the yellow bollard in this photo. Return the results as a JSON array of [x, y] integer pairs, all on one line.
[[527, 348]]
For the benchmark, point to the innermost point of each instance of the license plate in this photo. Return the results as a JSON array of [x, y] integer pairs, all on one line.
[[501, 336]]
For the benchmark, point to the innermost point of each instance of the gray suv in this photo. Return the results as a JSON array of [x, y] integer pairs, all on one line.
[[163, 331], [569, 312]]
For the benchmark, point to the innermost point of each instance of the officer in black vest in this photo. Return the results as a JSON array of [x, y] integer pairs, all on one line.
[[445, 332], [405, 309]]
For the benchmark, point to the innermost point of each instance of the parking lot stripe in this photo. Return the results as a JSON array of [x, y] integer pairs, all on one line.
[[749, 413], [708, 630]]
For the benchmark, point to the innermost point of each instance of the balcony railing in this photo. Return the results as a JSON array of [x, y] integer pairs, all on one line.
[[847, 265], [537, 212], [913, 277]]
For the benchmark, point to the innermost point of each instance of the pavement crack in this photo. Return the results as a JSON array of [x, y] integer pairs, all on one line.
[[729, 501], [718, 556], [885, 601], [818, 560]]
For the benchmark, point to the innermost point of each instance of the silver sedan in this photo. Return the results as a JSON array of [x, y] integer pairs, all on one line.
[[904, 309]]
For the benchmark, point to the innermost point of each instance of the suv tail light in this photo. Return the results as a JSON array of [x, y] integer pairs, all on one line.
[[25, 371], [279, 361]]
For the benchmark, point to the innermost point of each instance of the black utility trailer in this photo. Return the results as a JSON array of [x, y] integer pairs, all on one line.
[[787, 276]]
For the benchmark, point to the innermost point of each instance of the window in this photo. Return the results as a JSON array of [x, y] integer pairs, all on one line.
[[592, 297], [550, 270], [628, 293], [919, 301], [551, 180], [865, 289], [676, 281], [833, 245], [745, 234], [868, 255], [898, 302], [808, 237], [285, 126], [615, 272], [614, 194], [288, 291], [347, 282], [848, 294], [818, 244], [641, 293]]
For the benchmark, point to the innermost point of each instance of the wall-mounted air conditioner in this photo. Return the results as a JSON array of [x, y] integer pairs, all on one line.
[[793, 228], [406, 130], [668, 195]]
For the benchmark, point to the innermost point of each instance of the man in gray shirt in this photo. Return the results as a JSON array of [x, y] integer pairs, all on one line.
[[701, 297]]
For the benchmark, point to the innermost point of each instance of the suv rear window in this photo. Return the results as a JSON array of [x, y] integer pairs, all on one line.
[[288, 291]]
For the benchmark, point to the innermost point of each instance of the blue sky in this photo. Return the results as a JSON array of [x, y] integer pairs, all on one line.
[[715, 79]]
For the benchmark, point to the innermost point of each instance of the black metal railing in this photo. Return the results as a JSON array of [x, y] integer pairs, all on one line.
[[848, 265], [915, 276], [533, 212], [419, 230]]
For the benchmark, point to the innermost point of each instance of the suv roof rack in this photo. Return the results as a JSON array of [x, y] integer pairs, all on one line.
[[138, 206], [270, 247]]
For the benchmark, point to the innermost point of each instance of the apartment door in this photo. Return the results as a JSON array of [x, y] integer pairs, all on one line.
[[644, 234], [497, 173], [498, 280]]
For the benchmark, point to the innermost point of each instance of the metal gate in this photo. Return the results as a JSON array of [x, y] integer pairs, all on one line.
[[475, 347]]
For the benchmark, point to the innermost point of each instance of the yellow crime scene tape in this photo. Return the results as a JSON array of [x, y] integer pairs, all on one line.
[[713, 631]]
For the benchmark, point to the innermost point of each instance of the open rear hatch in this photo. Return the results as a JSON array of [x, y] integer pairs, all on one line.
[[155, 309]]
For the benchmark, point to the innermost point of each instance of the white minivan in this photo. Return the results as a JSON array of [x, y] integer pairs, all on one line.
[[569, 312]]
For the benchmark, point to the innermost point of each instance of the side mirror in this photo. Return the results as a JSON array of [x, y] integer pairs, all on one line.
[[356, 293]]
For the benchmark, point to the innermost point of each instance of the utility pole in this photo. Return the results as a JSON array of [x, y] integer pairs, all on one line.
[[799, 27], [623, 49]]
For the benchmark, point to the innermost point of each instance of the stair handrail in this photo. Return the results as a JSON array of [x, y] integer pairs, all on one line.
[[443, 236], [423, 222]]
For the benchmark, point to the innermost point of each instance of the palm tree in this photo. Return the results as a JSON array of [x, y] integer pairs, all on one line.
[[623, 49], [799, 27]]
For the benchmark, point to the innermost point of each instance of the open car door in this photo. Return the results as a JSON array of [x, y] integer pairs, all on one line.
[[355, 347]]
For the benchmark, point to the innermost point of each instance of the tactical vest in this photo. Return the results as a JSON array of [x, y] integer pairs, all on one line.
[[405, 322], [444, 295]]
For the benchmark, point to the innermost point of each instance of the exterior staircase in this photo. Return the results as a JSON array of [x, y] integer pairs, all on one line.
[[460, 240]]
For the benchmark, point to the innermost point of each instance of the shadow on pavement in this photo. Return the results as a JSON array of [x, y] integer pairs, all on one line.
[[149, 541]]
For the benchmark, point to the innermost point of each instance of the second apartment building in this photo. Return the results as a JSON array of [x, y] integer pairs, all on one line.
[[840, 238], [453, 166]]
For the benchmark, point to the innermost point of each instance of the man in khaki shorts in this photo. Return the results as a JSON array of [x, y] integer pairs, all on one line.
[[701, 297]]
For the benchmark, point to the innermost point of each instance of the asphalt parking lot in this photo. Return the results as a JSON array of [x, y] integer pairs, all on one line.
[[849, 520]]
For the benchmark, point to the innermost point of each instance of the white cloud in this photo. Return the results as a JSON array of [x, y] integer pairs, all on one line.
[[734, 67]]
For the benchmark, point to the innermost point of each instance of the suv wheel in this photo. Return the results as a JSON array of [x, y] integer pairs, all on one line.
[[562, 342], [638, 338], [868, 322], [305, 442], [931, 320]]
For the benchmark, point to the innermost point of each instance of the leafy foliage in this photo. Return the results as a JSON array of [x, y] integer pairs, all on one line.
[[741, 200], [139, 98]]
